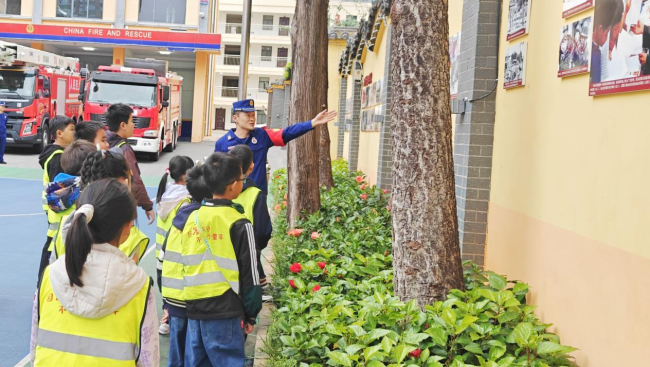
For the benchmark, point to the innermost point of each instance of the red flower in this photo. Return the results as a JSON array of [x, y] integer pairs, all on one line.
[[384, 191], [284, 203], [278, 207], [295, 232], [277, 176], [385, 253], [316, 288], [416, 353], [338, 219], [325, 271], [363, 187], [285, 196], [364, 196], [426, 325], [359, 179], [292, 284], [315, 235], [322, 265], [295, 268]]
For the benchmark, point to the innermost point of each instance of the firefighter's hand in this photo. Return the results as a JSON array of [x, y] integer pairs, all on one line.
[[151, 215], [323, 118]]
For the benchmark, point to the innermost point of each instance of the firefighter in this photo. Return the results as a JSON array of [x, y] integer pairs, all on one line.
[[261, 139]]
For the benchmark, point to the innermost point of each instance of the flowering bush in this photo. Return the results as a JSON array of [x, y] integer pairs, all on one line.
[[339, 309]]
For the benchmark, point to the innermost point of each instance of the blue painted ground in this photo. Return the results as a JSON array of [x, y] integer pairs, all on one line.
[[21, 241]]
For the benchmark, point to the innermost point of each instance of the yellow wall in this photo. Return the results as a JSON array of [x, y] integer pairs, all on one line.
[[200, 113], [569, 201], [26, 8], [192, 12], [334, 50]]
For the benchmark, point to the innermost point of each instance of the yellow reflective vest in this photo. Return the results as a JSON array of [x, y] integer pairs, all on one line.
[[172, 267], [209, 262], [134, 247], [247, 199], [163, 227], [53, 219], [65, 339]]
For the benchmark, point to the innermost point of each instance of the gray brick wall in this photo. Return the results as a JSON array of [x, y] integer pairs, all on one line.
[[340, 141], [475, 128], [355, 126], [277, 108], [385, 162]]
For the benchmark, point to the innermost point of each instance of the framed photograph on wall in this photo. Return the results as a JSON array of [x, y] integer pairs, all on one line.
[[572, 7], [372, 99], [575, 48], [515, 66], [364, 97], [378, 89], [518, 18]]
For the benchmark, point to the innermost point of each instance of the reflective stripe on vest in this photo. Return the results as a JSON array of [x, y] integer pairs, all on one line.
[[65, 339], [172, 267], [46, 178], [134, 247], [247, 199], [163, 227], [203, 277]]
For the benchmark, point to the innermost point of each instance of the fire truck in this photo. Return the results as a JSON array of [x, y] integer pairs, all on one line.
[[147, 87], [36, 85]]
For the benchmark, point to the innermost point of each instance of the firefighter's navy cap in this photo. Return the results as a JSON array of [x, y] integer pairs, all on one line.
[[247, 105]]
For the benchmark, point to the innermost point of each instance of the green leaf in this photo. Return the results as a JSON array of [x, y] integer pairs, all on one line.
[[507, 361], [287, 340], [467, 321], [288, 352], [522, 333], [369, 352], [375, 364], [438, 335], [401, 351], [353, 349], [551, 348], [357, 330], [339, 359], [491, 364], [425, 355], [378, 333], [414, 339], [507, 316], [497, 282], [496, 352], [299, 283], [386, 345], [520, 288], [449, 316], [474, 348], [333, 330]]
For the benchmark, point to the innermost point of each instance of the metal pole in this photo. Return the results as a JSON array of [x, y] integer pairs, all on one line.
[[243, 58]]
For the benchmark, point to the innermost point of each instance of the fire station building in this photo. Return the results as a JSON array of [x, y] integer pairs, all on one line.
[[105, 32]]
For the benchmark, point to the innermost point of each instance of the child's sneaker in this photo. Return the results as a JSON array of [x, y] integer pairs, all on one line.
[[267, 298], [163, 329]]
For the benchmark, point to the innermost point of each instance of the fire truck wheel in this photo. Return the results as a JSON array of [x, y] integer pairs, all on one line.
[[170, 146], [156, 156], [39, 147]]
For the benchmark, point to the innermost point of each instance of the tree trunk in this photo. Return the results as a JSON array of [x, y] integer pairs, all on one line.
[[426, 248], [325, 178], [308, 92]]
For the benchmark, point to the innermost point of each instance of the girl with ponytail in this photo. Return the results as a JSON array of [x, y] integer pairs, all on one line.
[[170, 198], [94, 305]]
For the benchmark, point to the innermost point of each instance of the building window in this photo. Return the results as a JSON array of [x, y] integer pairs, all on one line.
[[283, 57], [10, 7], [267, 22], [284, 26], [162, 11], [91, 9], [261, 117], [264, 83], [267, 53]]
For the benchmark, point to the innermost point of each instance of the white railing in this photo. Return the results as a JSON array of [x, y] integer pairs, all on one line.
[[231, 92], [257, 29], [254, 61]]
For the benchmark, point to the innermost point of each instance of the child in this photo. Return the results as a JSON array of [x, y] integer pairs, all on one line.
[[254, 202], [95, 307], [119, 118], [93, 132], [62, 132], [221, 285], [97, 166], [3, 132], [171, 277], [170, 198]]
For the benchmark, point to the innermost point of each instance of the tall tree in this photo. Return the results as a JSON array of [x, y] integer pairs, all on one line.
[[426, 247], [308, 94]]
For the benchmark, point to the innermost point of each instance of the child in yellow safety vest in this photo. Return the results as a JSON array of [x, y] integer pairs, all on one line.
[[170, 198], [60, 130], [94, 306]]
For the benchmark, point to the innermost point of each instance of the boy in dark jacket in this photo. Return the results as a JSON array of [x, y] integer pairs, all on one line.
[[119, 118]]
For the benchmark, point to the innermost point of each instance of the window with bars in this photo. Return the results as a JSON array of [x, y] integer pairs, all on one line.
[[10, 7], [267, 22], [91, 9], [264, 83], [267, 53], [162, 11]]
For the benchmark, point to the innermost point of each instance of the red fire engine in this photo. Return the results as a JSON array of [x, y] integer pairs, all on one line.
[[152, 92], [35, 86]]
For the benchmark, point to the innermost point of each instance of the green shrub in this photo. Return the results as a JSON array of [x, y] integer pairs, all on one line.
[[335, 302]]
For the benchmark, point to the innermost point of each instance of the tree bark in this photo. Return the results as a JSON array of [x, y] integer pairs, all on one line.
[[308, 92], [426, 249]]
